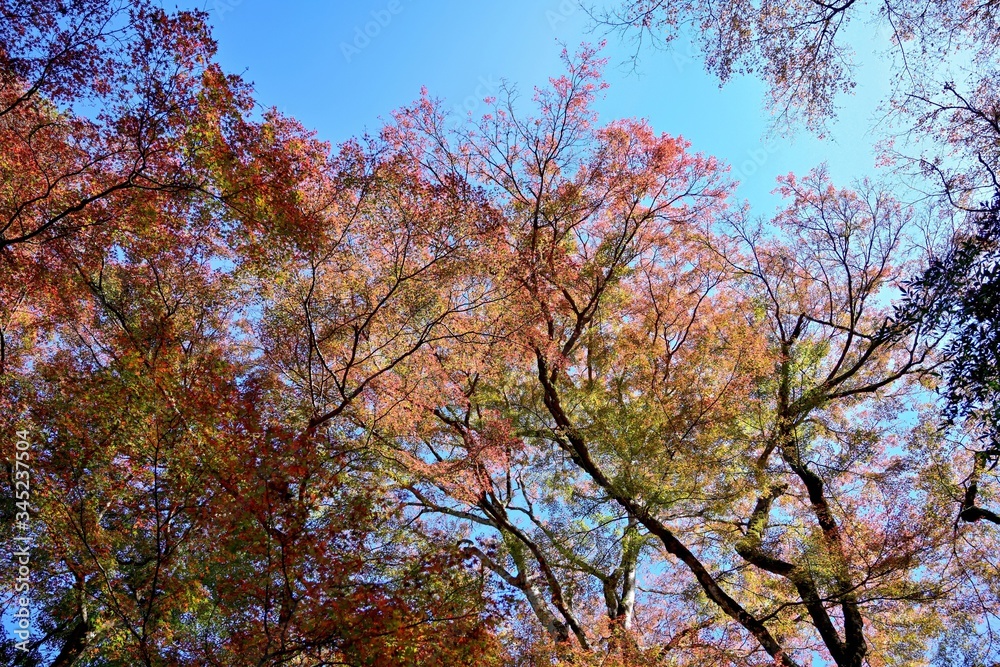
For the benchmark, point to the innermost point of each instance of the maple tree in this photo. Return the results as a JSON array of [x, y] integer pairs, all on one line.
[[534, 390], [190, 523], [664, 379], [184, 511]]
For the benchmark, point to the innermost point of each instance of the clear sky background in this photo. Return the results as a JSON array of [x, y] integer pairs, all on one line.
[[303, 59]]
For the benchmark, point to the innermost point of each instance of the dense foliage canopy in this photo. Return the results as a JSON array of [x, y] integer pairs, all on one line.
[[530, 390]]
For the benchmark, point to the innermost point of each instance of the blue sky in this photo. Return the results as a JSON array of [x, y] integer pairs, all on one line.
[[312, 60]]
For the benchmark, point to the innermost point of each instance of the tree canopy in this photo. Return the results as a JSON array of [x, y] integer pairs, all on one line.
[[534, 389]]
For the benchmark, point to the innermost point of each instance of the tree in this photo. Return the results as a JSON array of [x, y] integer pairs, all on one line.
[[958, 293], [532, 391], [186, 508], [579, 201], [653, 368], [97, 102], [101, 104], [944, 73]]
